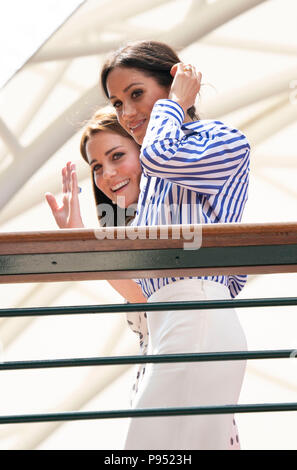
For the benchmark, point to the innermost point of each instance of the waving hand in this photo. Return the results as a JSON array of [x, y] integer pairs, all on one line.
[[67, 215]]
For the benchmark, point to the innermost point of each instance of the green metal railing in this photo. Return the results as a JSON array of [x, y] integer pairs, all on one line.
[[202, 410], [52, 261]]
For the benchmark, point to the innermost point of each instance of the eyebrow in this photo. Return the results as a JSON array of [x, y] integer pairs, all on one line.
[[127, 88], [106, 153]]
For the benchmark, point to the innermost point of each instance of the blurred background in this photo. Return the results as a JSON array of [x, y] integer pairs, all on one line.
[[51, 54]]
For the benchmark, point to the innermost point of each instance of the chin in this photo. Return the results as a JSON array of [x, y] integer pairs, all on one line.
[[138, 139]]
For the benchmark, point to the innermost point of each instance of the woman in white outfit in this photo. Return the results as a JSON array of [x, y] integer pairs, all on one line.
[[193, 171]]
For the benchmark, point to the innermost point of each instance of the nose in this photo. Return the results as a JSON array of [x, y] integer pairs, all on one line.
[[128, 111], [108, 172]]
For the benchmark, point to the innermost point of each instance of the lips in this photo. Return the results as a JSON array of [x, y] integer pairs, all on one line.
[[119, 185], [136, 126]]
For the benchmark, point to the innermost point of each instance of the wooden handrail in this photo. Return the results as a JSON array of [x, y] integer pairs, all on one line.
[[84, 254], [79, 240]]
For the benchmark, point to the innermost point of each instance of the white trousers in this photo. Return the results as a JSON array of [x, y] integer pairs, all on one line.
[[190, 384]]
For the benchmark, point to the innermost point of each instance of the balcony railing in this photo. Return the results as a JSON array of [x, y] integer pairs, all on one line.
[[125, 254]]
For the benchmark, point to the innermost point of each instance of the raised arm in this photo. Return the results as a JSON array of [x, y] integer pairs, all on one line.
[[202, 160], [200, 156]]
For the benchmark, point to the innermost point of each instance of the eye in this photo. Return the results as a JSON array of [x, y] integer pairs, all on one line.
[[136, 93], [116, 104], [97, 168], [117, 155]]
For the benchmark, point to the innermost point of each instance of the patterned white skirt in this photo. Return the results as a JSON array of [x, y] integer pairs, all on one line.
[[188, 384]]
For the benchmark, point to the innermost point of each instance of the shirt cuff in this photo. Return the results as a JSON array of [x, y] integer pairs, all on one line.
[[171, 108]]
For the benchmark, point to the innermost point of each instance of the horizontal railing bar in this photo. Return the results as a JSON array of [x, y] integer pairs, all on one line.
[[148, 307], [160, 358], [147, 263], [219, 234], [205, 410]]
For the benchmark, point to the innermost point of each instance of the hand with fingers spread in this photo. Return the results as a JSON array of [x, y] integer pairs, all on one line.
[[185, 86], [67, 215]]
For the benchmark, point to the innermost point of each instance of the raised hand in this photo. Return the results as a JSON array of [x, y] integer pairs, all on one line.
[[185, 86], [67, 215]]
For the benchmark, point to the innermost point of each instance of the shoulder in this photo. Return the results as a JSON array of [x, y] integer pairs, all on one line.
[[214, 130], [204, 125]]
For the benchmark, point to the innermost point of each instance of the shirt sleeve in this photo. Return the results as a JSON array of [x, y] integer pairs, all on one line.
[[203, 159]]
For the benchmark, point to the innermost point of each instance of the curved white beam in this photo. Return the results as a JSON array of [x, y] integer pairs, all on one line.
[[255, 91], [98, 20], [250, 44], [201, 20], [10, 140], [271, 122], [100, 17], [37, 100], [47, 143]]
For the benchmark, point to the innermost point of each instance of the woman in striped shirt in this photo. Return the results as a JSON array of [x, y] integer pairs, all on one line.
[[192, 172]]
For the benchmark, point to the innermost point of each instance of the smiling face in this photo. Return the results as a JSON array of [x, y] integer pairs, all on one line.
[[114, 160], [133, 95]]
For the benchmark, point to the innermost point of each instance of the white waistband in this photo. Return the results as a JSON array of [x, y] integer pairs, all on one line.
[[191, 289]]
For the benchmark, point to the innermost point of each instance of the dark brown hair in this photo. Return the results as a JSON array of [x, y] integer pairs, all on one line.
[[153, 58], [104, 120]]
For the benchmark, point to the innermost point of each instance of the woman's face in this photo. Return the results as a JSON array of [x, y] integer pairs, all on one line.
[[114, 161], [133, 95]]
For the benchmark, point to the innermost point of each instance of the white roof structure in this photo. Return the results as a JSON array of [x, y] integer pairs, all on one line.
[[246, 52]]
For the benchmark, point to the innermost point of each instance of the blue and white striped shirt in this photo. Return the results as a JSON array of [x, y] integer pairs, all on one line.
[[193, 173]]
